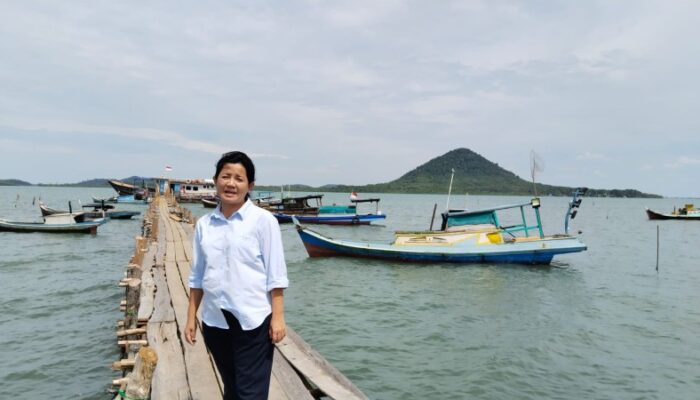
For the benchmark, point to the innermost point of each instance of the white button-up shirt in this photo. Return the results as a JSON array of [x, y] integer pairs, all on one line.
[[237, 261]]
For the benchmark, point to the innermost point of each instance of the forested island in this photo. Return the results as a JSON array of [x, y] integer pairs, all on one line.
[[474, 174]]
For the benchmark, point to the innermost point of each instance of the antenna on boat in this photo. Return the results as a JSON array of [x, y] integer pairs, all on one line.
[[449, 191], [536, 165]]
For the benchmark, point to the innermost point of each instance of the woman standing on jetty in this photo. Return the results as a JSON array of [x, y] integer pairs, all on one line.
[[239, 275]]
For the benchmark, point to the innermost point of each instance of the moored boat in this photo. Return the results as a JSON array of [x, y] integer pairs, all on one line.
[[689, 212], [56, 223], [123, 188], [124, 198], [466, 237], [99, 210], [189, 190], [310, 210], [210, 202]]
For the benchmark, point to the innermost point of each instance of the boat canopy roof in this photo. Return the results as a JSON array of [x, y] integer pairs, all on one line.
[[376, 200], [489, 216], [301, 198]]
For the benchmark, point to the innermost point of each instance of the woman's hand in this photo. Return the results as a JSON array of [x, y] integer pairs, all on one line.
[[278, 328], [191, 331], [191, 326]]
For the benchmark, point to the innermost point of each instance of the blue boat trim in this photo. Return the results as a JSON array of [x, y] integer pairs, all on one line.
[[466, 237]]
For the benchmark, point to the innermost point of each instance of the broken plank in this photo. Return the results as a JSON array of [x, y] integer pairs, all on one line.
[[316, 369]]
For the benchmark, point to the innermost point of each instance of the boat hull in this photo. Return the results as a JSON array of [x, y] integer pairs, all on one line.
[[34, 227], [95, 214], [530, 252], [660, 216], [209, 202], [329, 219]]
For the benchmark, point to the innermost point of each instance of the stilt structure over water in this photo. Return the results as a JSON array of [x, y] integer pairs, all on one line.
[[157, 363]]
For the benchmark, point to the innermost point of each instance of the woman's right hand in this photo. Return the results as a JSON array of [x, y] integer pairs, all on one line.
[[191, 326], [191, 331]]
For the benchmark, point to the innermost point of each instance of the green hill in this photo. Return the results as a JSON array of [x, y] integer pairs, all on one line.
[[13, 182], [474, 174]]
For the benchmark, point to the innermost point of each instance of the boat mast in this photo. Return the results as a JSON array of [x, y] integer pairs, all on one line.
[[449, 191]]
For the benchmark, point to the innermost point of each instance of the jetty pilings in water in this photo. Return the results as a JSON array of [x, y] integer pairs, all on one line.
[[155, 359]]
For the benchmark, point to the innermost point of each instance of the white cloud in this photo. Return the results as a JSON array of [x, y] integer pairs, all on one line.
[[588, 156], [683, 161], [293, 81], [12, 146], [163, 137]]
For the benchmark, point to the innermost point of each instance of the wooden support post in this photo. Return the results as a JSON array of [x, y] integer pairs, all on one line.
[[119, 382], [123, 364], [138, 342], [135, 331], [132, 303], [138, 384]]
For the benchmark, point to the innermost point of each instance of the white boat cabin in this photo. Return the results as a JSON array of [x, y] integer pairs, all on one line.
[[190, 190]]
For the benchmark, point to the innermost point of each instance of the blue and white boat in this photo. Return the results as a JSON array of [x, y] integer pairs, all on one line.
[[56, 223], [309, 210], [466, 237], [122, 198], [100, 210]]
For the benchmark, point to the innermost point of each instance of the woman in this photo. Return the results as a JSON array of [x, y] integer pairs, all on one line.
[[238, 275]]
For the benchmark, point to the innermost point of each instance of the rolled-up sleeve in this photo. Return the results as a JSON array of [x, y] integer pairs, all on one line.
[[197, 273], [273, 254]]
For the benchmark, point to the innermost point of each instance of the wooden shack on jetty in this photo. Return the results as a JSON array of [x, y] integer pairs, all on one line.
[[157, 363]]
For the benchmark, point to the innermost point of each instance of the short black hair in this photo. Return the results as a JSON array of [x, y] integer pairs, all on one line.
[[236, 157]]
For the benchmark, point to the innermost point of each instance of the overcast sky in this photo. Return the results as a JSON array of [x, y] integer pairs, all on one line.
[[355, 92]]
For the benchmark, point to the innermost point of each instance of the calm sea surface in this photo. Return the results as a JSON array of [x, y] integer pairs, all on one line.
[[602, 324]]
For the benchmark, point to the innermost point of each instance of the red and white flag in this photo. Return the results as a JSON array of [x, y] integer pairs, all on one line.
[[353, 196], [168, 168]]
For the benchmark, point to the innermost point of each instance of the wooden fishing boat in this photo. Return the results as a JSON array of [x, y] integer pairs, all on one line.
[[100, 210], [210, 202], [57, 223], [188, 190], [310, 210], [465, 237], [127, 189], [689, 212]]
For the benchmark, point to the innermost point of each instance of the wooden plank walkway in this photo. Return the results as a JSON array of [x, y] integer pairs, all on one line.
[[188, 372]]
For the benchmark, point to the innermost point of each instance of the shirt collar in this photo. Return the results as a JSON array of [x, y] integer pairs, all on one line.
[[242, 212]]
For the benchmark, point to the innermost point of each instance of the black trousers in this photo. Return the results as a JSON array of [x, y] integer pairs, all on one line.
[[244, 358]]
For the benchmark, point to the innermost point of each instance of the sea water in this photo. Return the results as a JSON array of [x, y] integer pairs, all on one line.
[[602, 324]]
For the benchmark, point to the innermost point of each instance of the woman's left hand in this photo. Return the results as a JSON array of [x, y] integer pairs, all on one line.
[[278, 329]]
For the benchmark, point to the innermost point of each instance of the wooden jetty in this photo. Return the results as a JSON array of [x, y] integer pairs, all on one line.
[[157, 363]]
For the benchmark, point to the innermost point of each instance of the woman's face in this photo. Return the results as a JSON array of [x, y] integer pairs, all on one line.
[[232, 186]]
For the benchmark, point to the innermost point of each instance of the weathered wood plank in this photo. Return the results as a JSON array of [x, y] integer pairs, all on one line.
[[186, 241], [189, 230], [169, 250], [178, 239], [180, 251], [162, 309], [290, 385], [316, 369], [200, 368], [160, 253], [169, 378], [184, 268], [164, 213], [146, 294]]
